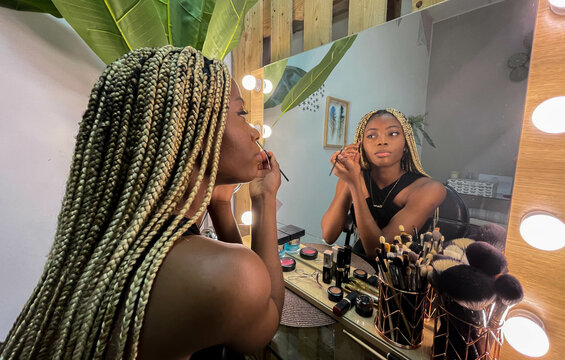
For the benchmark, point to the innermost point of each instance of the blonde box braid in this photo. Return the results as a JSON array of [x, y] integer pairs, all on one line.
[[410, 161], [150, 115]]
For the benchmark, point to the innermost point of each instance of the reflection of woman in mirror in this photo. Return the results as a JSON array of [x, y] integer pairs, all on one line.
[[382, 181], [129, 275]]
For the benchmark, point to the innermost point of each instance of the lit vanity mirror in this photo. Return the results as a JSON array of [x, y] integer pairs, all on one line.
[[463, 64]]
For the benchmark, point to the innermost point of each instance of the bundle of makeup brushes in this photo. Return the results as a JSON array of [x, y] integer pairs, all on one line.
[[475, 289]]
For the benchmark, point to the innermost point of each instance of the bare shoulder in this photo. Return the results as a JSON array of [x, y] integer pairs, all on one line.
[[428, 189], [204, 288]]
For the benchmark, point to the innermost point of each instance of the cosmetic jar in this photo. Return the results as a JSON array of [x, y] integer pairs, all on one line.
[[288, 264], [335, 294], [360, 274], [292, 246], [364, 306], [308, 253]]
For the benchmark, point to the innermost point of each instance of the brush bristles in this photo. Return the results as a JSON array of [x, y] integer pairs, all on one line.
[[487, 258], [508, 289], [441, 265], [468, 286], [463, 242]]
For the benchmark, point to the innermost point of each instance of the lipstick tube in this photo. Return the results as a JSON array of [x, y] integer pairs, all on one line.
[[339, 267], [345, 304], [327, 269]]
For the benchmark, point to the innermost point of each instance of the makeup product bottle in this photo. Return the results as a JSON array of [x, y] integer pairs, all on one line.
[[283, 238], [335, 249], [327, 270], [364, 306], [295, 234], [347, 267], [340, 267], [345, 304]]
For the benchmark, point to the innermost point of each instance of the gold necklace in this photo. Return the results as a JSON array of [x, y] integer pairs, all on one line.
[[386, 197]]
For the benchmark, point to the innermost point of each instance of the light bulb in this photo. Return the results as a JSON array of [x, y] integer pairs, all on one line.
[[246, 218], [543, 231], [558, 6], [267, 131], [267, 86], [549, 116], [525, 332], [249, 82]]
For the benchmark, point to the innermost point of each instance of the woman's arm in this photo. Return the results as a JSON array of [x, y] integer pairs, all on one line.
[[221, 213]]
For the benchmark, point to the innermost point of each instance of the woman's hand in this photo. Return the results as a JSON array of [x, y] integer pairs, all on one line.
[[347, 167], [268, 178]]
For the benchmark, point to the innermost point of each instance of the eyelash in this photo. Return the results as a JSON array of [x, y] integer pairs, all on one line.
[[394, 133], [242, 113]]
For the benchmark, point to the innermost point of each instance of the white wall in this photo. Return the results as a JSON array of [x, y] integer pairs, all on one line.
[[46, 73], [375, 73], [472, 104]]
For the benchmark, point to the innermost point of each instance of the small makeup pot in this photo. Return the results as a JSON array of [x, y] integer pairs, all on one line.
[[292, 246], [364, 306], [288, 264], [360, 274], [335, 294], [308, 253]]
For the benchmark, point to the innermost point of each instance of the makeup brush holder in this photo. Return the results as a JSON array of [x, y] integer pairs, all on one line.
[[460, 335], [400, 315], [430, 309]]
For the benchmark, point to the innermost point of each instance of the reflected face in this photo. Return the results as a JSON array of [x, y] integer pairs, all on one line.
[[383, 141], [240, 156]]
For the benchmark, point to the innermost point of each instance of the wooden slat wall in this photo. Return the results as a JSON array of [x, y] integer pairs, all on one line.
[[317, 23], [364, 14], [281, 28], [247, 57], [540, 185], [420, 4]]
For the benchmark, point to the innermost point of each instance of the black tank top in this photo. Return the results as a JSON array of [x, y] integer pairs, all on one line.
[[382, 197]]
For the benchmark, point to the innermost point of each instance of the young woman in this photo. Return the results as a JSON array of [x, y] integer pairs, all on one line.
[[128, 274], [382, 181]]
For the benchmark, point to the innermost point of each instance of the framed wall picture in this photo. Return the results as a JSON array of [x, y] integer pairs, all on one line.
[[335, 126]]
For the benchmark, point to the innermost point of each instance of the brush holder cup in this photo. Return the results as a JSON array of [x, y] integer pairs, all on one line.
[[430, 309], [400, 315], [460, 334]]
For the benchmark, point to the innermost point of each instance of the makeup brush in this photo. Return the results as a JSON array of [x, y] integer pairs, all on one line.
[[453, 251], [439, 266], [509, 292], [462, 242], [493, 234], [487, 258], [335, 162], [269, 158]]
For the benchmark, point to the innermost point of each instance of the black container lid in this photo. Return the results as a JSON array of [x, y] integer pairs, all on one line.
[[364, 306], [282, 237], [308, 253], [294, 231], [288, 264], [335, 294], [360, 274]]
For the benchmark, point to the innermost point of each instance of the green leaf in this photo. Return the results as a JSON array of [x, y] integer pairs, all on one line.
[[417, 137], [189, 21], [226, 24], [162, 7], [274, 73], [44, 6], [316, 77], [114, 27], [428, 138]]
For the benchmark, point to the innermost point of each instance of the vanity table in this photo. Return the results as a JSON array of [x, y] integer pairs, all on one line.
[[354, 337]]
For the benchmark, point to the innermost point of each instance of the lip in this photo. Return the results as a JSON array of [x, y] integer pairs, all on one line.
[[382, 154]]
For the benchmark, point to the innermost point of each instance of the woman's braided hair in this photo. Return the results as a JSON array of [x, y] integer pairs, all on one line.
[[151, 116]]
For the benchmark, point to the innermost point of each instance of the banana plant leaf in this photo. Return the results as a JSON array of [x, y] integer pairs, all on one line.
[[317, 76], [189, 20], [274, 73], [226, 24], [417, 122], [44, 6], [113, 28]]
